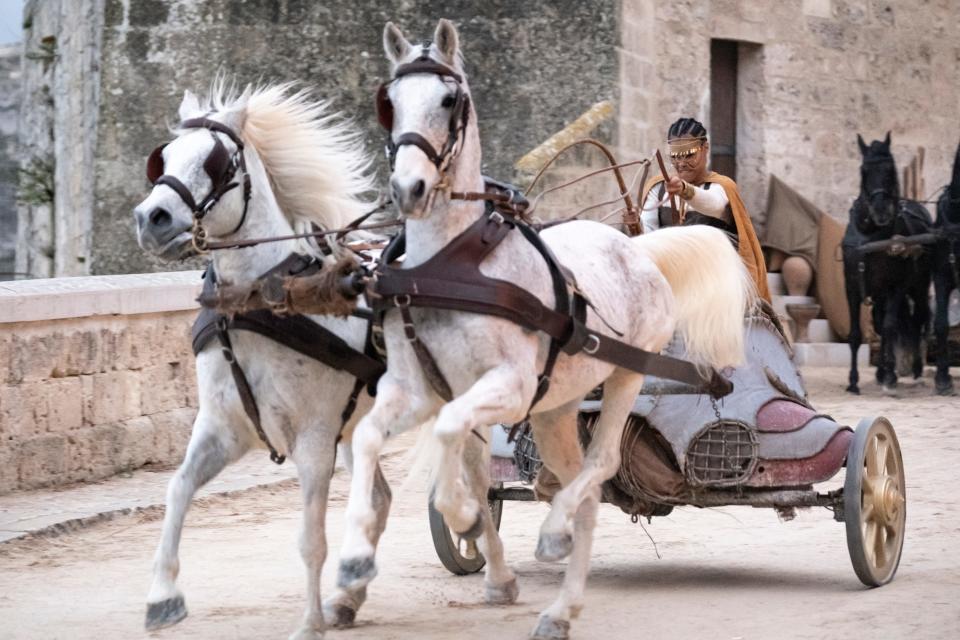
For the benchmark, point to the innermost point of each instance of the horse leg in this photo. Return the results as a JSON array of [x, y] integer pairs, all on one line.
[[855, 339], [920, 326], [394, 411], [578, 501], [603, 458], [500, 583], [212, 446], [340, 609], [315, 458], [499, 395], [941, 327], [889, 330]]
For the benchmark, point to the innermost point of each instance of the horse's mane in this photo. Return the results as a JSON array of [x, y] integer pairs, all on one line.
[[318, 168]]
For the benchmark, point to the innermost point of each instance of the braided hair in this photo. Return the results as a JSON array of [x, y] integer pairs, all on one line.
[[687, 127]]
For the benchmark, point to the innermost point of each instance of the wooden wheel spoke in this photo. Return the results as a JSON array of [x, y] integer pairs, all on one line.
[[868, 510], [883, 450], [880, 546]]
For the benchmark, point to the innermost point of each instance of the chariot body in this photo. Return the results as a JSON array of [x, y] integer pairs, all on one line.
[[763, 445]]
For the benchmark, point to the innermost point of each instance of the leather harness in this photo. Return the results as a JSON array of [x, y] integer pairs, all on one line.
[[296, 332], [452, 280]]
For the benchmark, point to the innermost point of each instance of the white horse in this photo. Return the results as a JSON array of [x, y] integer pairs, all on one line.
[[687, 279], [305, 166]]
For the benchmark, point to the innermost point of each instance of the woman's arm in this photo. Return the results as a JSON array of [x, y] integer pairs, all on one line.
[[712, 202], [650, 214]]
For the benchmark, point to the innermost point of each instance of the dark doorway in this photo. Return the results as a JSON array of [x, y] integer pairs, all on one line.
[[723, 107]]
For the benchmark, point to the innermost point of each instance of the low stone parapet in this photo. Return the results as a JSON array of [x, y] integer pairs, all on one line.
[[96, 376]]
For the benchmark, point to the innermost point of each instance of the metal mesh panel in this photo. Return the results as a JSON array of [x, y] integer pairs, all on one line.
[[525, 454], [723, 454]]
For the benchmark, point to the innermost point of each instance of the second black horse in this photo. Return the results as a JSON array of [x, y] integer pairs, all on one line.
[[895, 281]]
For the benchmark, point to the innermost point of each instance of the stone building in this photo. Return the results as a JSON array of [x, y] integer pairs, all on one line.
[[783, 87], [9, 106]]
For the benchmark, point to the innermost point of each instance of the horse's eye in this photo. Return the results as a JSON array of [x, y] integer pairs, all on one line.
[[448, 102]]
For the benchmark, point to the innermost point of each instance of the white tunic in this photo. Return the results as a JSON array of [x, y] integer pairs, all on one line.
[[706, 200]]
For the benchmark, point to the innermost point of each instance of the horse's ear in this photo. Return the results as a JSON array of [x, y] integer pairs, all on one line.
[[886, 141], [236, 116], [189, 106], [395, 45], [863, 145], [447, 40]]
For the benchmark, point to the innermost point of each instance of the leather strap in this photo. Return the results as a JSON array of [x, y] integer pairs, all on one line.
[[295, 332], [427, 362], [451, 279], [243, 388]]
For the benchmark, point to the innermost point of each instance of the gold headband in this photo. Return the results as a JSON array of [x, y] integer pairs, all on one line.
[[685, 147]]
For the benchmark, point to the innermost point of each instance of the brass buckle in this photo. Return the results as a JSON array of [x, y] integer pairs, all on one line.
[[199, 238]]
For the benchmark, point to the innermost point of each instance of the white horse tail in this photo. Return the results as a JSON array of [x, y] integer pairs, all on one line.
[[711, 287]]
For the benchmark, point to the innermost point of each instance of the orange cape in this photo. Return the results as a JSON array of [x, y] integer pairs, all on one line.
[[749, 247]]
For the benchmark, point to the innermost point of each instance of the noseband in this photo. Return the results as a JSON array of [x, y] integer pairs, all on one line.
[[220, 166], [868, 196], [459, 114]]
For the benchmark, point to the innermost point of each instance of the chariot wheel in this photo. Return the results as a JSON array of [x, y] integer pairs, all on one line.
[[460, 557], [875, 502]]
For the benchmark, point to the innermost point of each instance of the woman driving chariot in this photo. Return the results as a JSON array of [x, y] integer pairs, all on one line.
[[705, 197]]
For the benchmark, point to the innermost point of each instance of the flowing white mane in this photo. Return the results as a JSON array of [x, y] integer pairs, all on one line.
[[318, 168]]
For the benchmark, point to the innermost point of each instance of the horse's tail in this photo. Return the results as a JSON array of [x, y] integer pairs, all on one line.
[[711, 287]]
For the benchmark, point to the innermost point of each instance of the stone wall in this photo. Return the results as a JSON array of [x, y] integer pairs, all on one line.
[[533, 67], [9, 160], [59, 117], [812, 75], [96, 376]]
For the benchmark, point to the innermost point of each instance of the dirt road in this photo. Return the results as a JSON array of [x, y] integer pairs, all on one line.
[[725, 573]]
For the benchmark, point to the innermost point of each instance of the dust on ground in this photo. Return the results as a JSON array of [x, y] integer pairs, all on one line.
[[722, 573]]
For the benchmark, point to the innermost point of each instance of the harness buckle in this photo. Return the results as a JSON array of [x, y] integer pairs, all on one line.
[[409, 331], [402, 300], [228, 355], [496, 217], [592, 344]]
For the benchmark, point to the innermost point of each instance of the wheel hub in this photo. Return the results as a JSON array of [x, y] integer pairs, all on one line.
[[889, 502]]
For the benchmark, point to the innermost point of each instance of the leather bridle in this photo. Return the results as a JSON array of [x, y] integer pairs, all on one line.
[[220, 166], [459, 112]]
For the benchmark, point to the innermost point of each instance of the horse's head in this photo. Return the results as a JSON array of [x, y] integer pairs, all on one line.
[[199, 176], [426, 109], [948, 209], [879, 189]]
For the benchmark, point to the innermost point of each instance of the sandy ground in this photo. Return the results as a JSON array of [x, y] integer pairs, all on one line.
[[726, 573]]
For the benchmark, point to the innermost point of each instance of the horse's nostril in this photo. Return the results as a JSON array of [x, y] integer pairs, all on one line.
[[417, 191], [160, 217]]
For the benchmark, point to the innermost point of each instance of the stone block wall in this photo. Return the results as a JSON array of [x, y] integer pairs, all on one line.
[[533, 67], [812, 75], [96, 376]]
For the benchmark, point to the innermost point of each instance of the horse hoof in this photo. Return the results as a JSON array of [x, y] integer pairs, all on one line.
[[550, 629], [307, 634], [356, 573], [946, 389], [475, 530], [554, 546], [854, 389], [501, 594], [165, 613], [339, 615], [890, 391]]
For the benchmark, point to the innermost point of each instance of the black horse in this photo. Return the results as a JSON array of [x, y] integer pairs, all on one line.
[[946, 271], [896, 282]]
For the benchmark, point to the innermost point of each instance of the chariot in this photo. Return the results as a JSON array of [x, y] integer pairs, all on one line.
[[762, 446]]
